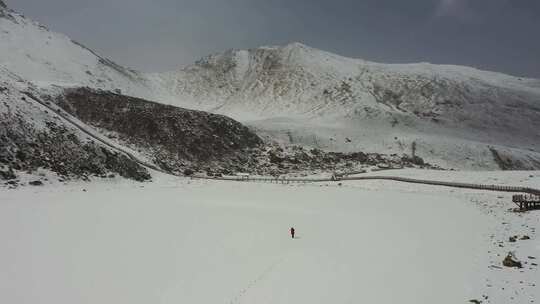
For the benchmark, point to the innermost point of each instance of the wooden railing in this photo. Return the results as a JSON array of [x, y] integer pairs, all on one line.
[[500, 188], [526, 201]]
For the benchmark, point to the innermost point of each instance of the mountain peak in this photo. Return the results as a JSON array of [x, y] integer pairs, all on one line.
[[296, 44]]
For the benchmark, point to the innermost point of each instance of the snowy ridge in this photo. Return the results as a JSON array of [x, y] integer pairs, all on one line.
[[322, 99], [454, 116], [45, 57], [293, 79]]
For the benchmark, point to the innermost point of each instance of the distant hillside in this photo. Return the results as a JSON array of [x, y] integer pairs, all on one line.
[[302, 95], [34, 138], [453, 116], [171, 137]]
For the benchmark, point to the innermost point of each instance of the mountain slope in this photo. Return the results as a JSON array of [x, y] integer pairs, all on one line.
[[454, 114], [34, 52], [303, 81], [39, 68], [33, 138], [456, 117], [172, 138], [70, 84]]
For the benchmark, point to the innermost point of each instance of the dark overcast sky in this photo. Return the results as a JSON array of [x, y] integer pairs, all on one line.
[[157, 35]]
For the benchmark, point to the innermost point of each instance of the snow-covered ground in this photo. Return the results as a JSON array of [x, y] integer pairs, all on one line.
[[195, 241]]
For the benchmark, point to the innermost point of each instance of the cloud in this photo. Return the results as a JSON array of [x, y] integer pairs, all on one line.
[[459, 9]]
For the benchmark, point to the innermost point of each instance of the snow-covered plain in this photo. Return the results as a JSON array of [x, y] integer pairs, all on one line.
[[182, 241]]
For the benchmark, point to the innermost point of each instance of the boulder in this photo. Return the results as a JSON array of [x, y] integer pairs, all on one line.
[[511, 261], [188, 172]]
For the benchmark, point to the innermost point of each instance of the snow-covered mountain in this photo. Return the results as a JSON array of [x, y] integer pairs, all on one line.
[[35, 138], [456, 117], [35, 53], [296, 80]]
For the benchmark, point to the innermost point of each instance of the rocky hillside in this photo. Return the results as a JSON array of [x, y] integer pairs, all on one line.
[[171, 137], [87, 133], [35, 140], [455, 117]]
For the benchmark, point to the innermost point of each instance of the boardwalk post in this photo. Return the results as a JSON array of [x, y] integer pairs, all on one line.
[[527, 202]]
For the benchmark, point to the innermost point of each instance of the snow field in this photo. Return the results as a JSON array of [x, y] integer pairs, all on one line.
[[226, 242]]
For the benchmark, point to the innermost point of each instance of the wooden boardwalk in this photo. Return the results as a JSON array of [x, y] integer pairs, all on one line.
[[526, 202], [529, 199]]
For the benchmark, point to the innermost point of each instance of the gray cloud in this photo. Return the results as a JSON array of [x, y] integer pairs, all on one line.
[[455, 8], [162, 35]]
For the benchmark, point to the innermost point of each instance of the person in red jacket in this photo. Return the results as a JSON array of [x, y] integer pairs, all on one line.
[[292, 232]]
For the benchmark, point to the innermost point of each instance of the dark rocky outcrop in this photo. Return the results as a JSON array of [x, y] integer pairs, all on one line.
[[298, 158], [57, 148], [7, 173], [511, 261], [3, 8], [175, 137], [506, 161], [5, 12], [36, 183]]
